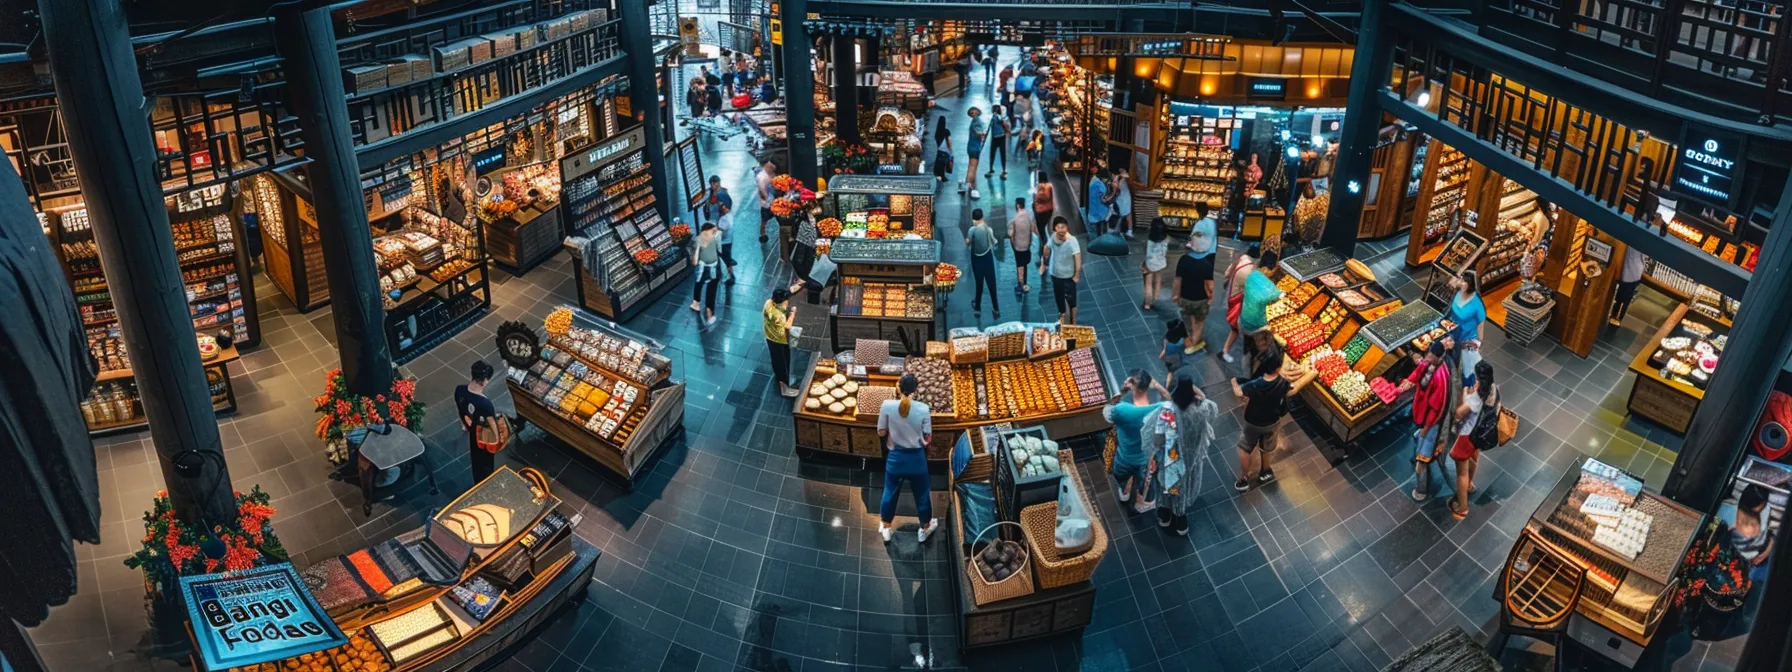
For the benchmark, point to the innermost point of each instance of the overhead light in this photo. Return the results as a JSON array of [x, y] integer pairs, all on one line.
[[1425, 99], [1354, 187], [1287, 135], [1293, 152], [1318, 140]]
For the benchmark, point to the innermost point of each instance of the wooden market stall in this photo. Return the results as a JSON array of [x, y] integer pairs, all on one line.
[[979, 379], [886, 293], [1674, 367], [520, 207], [490, 568], [629, 257], [603, 391]]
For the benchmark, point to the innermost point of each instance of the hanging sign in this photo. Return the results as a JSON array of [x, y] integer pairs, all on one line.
[[1266, 88], [488, 160], [255, 616], [1708, 163]]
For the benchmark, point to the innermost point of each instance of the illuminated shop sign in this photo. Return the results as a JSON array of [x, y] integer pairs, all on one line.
[[488, 161], [1266, 87], [1709, 161], [255, 616]]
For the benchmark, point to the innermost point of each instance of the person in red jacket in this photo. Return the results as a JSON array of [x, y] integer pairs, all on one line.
[[1430, 383]]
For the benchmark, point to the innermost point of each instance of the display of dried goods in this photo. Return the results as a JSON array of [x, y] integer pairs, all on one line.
[[1286, 283], [871, 398], [1277, 310], [1301, 294], [970, 349], [1352, 390], [1007, 340], [1330, 367], [1088, 376], [935, 389], [1081, 334], [1000, 559], [964, 393]]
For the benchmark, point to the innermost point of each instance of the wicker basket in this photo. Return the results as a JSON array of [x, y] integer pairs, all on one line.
[[938, 349], [982, 464], [1018, 584], [1039, 524]]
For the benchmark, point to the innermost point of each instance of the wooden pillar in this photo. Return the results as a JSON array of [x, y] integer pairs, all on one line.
[[103, 111]]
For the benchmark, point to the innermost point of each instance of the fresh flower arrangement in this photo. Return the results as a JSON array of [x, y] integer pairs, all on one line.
[[786, 183], [783, 207], [171, 548], [647, 256], [680, 232], [558, 321], [340, 411]]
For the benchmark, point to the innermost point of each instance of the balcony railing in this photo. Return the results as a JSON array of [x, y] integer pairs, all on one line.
[[1727, 52]]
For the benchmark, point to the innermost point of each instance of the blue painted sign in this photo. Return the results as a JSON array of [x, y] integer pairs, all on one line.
[[255, 616]]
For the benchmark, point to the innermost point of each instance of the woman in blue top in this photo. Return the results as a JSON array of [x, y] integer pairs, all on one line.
[[1468, 313], [1127, 414]]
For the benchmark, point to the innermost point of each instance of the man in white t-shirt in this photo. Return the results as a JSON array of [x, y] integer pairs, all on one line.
[[766, 171], [1064, 260]]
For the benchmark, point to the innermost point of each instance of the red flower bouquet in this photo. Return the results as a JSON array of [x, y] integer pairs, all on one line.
[[171, 548], [340, 411]]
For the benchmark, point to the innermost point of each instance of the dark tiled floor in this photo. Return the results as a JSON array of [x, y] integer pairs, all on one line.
[[731, 553]]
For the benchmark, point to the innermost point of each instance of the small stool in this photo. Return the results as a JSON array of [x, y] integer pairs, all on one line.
[[386, 449]]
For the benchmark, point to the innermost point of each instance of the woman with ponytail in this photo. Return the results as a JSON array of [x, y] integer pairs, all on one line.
[[907, 428], [1475, 401]]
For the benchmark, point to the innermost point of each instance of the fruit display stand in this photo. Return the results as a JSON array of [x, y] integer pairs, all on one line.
[[599, 389], [1660, 394], [886, 293], [431, 600], [851, 430], [1042, 612]]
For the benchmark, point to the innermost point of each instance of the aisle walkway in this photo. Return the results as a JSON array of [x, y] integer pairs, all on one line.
[[732, 553]]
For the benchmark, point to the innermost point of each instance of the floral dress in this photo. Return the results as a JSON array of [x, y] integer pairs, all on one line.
[[1180, 440]]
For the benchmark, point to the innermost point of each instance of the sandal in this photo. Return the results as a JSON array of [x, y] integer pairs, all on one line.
[[1459, 514]]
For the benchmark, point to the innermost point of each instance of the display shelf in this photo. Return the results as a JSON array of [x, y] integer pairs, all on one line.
[[1402, 326], [1671, 400], [113, 405], [1306, 267]]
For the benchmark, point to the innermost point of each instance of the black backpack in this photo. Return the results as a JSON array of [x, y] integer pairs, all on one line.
[[1486, 433]]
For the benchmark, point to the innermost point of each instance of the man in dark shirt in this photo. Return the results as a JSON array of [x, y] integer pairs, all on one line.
[[1194, 289], [477, 411], [1265, 396]]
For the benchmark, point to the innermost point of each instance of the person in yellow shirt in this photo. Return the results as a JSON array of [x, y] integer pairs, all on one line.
[[779, 314]]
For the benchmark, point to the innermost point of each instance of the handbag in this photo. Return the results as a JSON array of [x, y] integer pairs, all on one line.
[[1508, 425], [494, 435], [1485, 434]]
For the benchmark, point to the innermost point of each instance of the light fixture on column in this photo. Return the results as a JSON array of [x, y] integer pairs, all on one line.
[[1293, 152], [1354, 187], [1287, 135]]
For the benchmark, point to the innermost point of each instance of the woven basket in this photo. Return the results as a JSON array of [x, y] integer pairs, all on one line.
[[1039, 524], [938, 349], [982, 464], [1018, 584]]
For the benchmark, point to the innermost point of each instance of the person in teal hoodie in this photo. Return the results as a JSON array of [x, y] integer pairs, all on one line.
[[1127, 414], [1259, 292]]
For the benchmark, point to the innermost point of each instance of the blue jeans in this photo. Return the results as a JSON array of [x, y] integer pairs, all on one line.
[[907, 464], [1122, 471], [1441, 472]]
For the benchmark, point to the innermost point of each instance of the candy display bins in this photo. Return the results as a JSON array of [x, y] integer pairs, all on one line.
[[628, 256], [886, 293], [600, 389], [458, 593], [1597, 563], [978, 378], [1674, 366]]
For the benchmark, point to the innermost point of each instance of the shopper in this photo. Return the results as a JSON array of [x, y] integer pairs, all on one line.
[[982, 243], [779, 315], [1752, 536], [973, 150], [1430, 382], [725, 234], [999, 127], [1203, 237], [1193, 288], [907, 428], [963, 68], [989, 66], [1236, 274], [1628, 279], [713, 95], [694, 98], [802, 252], [942, 153], [1127, 414], [1175, 333], [1043, 203], [1467, 312], [1064, 258], [1157, 258], [1259, 292], [713, 199], [767, 171], [1266, 396], [1122, 195], [708, 258], [1097, 206], [1177, 436], [1253, 174], [476, 413], [1477, 401], [1021, 230]]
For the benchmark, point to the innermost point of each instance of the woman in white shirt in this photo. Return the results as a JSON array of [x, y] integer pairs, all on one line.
[[907, 428], [1482, 397]]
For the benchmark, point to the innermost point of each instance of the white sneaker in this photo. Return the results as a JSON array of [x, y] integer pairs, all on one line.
[[974, 194], [1125, 495], [926, 531], [887, 533], [1226, 356], [696, 305]]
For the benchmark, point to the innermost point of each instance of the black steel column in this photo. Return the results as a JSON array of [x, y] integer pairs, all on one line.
[[1760, 340], [644, 97], [106, 116], [846, 90], [799, 92], [307, 43], [1362, 126]]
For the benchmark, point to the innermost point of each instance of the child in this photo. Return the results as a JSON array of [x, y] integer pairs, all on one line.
[[1035, 146], [1174, 333]]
